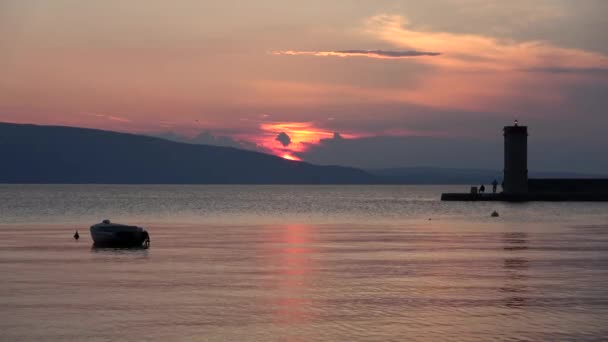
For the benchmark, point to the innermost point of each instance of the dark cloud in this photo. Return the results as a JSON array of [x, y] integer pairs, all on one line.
[[393, 54], [405, 151], [363, 53], [378, 152], [284, 139]]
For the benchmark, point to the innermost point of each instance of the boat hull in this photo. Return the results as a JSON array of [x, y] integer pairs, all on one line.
[[113, 235]]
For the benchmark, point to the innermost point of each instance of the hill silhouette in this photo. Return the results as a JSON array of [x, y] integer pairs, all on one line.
[[56, 154]]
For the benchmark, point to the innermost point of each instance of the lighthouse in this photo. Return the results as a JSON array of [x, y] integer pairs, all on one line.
[[516, 159], [518, 188]]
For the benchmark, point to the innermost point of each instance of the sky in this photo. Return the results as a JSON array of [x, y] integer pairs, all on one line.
[[370, 84]]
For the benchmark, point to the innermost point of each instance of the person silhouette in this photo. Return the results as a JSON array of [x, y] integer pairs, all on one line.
[[494, 186], [76, 236], [146, 242]]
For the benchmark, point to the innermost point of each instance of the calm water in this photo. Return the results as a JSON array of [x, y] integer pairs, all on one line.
[[300, 263]]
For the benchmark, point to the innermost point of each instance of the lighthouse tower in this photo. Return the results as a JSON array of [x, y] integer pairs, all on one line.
[[516, 159]]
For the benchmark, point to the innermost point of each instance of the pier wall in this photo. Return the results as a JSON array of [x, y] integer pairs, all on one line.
[[568, 186]]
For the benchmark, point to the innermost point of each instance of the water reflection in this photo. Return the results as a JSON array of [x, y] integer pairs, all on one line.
[[295, 273], [140, 252], [515, 241], [515, 265]]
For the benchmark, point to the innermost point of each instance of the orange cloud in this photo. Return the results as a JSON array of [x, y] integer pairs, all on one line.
[[477, 52], [473, 72], [464, 51]]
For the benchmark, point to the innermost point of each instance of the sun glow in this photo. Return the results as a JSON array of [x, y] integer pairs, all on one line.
[[300, 133], [290, 157], [302, 136]]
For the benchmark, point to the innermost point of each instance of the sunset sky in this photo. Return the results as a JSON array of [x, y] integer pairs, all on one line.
[[378, 83]]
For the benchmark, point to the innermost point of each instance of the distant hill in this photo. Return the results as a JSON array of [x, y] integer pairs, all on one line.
[[434, 175], [51, 154]]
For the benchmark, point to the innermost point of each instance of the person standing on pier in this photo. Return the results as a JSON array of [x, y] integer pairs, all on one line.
[[494, 186]]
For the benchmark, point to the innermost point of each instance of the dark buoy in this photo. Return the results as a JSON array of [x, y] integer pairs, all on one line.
[[76, 236], [495, 214]]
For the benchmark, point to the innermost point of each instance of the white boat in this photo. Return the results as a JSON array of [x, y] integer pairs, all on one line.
[[119, 235]]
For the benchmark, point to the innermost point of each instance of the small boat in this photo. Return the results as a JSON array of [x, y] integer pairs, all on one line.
[[108, 234], [495, 214]]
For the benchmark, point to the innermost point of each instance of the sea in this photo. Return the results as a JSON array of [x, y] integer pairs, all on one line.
[[300, 263]]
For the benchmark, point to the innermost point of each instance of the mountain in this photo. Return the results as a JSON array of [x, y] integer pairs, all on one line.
[[53, 154], [434, 175]]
